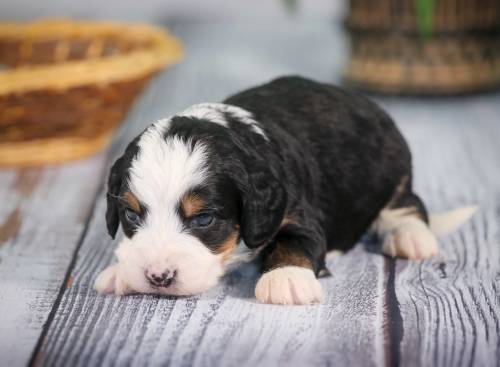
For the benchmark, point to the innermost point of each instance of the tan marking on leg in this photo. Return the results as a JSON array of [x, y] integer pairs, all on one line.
[[400, 189], [283, 256], [402, 184], [132, 201], [192, 204], [288, 219]]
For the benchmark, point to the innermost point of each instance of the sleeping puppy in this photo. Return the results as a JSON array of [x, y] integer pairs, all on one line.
[[289, 170]]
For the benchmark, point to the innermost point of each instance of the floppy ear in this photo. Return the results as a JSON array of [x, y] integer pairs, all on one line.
[[117, 174], [263, 207], [114, 184]]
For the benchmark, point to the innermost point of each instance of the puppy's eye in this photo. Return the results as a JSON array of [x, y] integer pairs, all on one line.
[[132, 217], [202, 220]]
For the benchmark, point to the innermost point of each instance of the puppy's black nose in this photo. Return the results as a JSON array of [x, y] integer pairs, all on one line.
[[161, 279]]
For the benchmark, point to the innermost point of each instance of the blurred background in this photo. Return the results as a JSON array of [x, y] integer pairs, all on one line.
[[93, 72], [403, 47], [162, 10]]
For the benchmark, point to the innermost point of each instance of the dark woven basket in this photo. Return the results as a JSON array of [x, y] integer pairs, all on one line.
[[390, 55]]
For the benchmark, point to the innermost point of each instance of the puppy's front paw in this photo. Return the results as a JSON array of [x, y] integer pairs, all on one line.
[[289, 285], [414, 241], [110, 281]]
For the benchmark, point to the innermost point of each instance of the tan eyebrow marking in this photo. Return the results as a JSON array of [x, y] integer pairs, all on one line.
[[192, 204], [132, 201]]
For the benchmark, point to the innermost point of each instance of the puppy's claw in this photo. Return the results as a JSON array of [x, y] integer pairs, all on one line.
[[289, 285]]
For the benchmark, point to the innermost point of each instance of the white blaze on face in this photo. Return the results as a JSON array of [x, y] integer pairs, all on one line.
[[161, 174]]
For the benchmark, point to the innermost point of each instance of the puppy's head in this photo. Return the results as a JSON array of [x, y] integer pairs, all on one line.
[[192, 199]]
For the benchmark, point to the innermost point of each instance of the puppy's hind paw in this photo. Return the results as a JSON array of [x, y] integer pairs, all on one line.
[[412, 240], [110, 281], [289, 285]]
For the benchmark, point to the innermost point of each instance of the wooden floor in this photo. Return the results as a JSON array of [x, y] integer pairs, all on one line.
[[444, 311]]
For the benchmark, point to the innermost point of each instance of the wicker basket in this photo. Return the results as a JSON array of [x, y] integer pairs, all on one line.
[[388, 54], [71, 83]]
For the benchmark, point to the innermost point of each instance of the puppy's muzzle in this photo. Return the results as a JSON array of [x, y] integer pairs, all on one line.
[[164, 279]]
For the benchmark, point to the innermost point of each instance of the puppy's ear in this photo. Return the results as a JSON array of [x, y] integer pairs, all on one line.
[[263, 206], [114, 184], [117, 175]]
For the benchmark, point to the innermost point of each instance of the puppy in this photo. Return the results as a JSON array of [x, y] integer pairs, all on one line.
[[289, 170]]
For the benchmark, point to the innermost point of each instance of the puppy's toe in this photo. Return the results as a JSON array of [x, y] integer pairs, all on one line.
[[110, 281], [289, 285], [413, 240]]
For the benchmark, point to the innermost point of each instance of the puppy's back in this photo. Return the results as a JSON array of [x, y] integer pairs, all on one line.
[[341, 152]]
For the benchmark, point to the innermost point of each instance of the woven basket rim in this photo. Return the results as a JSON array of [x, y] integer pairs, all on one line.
[[165, 49], [36, 152]]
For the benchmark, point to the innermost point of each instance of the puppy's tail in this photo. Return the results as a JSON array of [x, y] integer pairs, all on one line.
[[444, 223]]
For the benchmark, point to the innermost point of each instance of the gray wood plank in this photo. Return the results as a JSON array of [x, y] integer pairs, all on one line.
[[42, 216], [224, 326], [450, 305]]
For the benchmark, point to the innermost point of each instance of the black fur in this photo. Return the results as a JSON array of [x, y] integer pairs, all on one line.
[[341, 156], [117, 184], [331, 162]]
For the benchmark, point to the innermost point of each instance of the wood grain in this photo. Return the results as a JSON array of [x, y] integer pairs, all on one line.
[[450, 305], [41, 219]]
